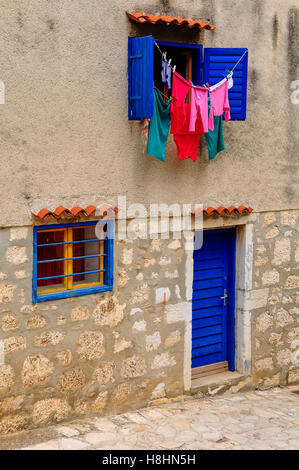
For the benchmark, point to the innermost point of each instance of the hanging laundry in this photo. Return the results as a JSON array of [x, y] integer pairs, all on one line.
[[166, 72], [199, 105], [144, 133], [187, 141], [159, 127], [180, 89], [229, 80], [214, 139], [219, 102], [187, 146]]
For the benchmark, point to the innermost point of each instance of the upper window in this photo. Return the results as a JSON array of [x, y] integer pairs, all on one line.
[[192, 62], [186, 57], [72, 259]]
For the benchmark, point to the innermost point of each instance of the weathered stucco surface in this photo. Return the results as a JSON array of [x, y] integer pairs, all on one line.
[[64, 127]]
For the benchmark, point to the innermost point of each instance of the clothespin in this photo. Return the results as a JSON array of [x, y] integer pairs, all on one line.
[[174, 68], [208, 86]]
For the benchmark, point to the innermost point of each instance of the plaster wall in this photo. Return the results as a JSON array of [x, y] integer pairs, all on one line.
[[64, 129]]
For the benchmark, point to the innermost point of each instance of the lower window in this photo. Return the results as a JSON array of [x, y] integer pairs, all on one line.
[[72, 259]]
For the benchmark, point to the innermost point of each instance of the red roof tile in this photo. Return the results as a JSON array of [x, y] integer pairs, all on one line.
[[76, 211], [63, 212], [223, 211], [169, 21]]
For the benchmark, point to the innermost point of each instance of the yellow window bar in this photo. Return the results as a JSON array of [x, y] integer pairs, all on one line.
[[69, 263], [102, 261], [45, 290]]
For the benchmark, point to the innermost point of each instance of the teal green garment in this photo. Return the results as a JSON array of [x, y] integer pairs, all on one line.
[[159, 127], [214, 139]]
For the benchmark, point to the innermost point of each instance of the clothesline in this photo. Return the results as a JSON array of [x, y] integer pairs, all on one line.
[[157, 45], [165, 96], [238, 61], [173, 68]]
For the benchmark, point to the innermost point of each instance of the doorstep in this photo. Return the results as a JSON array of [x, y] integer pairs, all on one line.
[[217, 384]]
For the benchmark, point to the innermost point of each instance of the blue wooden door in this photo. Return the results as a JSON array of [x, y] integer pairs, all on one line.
[[213, 299]]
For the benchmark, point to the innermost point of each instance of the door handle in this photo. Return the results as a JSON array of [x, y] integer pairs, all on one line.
[[224, 297]]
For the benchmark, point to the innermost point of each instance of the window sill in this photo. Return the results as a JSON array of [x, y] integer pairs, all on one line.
[[71, 293]]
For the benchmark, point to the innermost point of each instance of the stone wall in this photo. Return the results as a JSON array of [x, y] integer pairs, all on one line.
[[99, 353], [109, 352], [275, 321]]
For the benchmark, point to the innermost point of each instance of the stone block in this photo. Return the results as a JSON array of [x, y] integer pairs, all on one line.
[[270, 277], [10, 322], [14, 343], [6, 292], [11, 424], [152, 342], [90, 345], [71, 380], [282, 251], [55, 409], [49, 338], [35, 322], [109, 312], [18, 233], [36, 370], [79, 313], [264, 322], [7, 377], [172, 339], [292, 282], [104, 373], [133, 367], [16, 255], [64, 357], [264, 364], [178, 312], [100, 402], [11, 404], [163, 360], [121, 392]]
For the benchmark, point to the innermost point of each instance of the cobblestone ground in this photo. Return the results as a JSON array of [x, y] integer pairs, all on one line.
[[252, 420]]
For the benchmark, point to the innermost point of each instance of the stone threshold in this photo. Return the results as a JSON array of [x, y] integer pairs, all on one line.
[[216, 384]]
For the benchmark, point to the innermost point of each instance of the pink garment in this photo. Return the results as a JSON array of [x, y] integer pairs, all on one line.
[[199, 108], [219, 103]]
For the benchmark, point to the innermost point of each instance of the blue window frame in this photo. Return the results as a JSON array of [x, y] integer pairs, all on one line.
[[144, 65], [72, 259]]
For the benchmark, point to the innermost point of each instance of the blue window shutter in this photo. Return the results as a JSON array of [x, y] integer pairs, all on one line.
[[216, 61], [141, 77]]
